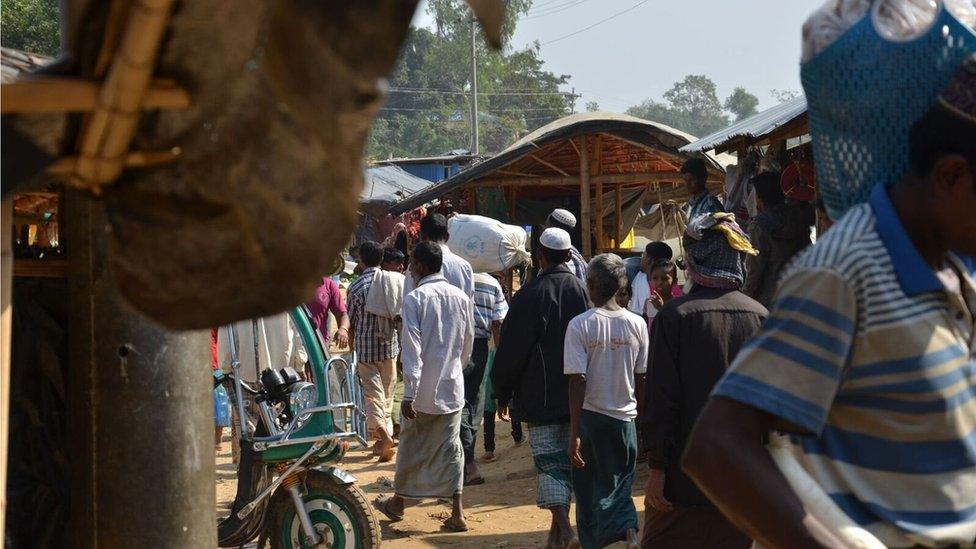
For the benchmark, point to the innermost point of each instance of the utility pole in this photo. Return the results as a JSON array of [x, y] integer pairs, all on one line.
[[474, 91]]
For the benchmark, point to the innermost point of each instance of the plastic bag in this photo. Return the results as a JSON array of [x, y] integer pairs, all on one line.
[[488, 244], [221, 407]]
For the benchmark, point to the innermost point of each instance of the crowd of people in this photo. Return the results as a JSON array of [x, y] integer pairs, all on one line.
[[790, 394]]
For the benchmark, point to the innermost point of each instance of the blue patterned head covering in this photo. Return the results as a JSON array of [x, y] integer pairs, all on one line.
[[864, 92]]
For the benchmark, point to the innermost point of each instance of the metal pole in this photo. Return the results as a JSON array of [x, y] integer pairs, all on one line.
[[140, 409], [474, 91]]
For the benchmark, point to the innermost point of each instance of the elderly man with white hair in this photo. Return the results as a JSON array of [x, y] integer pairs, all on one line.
[[605, 347], [529, 369]]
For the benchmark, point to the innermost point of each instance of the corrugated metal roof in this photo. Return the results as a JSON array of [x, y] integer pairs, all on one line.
[[390, 184], [754, 126]]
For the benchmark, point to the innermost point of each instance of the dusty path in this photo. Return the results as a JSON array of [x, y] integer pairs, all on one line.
[[500, 513]]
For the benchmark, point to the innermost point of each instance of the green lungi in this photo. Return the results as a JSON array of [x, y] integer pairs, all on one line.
[[604, 507]]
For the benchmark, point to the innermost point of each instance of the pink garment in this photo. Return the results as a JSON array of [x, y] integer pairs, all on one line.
[[327, 298]]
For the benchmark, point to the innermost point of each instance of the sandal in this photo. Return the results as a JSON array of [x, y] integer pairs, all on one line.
[[454, 526], [476, 481], [383, 506]]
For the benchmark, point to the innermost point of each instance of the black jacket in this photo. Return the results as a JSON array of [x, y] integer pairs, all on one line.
[[529, 361], [779, 233], [693, 341]]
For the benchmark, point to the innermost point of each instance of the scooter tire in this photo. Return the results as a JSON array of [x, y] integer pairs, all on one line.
[[341, 513]]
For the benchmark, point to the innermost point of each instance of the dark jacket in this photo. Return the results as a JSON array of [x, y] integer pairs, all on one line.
[[529, 361], [778, 233], [693, 340]]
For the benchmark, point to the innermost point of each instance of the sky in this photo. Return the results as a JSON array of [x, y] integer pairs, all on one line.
[[641, 53]]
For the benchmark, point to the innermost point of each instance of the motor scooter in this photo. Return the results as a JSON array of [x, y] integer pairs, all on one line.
[[291, 490]]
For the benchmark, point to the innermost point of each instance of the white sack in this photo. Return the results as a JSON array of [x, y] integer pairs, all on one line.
[[488, 244]]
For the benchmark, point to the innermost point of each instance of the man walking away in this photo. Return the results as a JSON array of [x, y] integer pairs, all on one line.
[[695, 337], [376, 353], [529, 366], [778, 232], [490, 309], [695, 173], [456, 269], [565, 220], [605, 347], [438, 334]]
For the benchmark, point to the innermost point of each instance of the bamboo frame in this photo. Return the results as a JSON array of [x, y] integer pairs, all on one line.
[[618, 213], [140, 159], [108, 132], [49, 94], [6, 323], [556, 181], [601, 242], [549, 165]]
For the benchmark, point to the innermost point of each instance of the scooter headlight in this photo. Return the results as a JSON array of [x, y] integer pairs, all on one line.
[[302, 396]]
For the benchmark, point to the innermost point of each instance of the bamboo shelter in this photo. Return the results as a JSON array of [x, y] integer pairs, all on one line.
[[602, 163]]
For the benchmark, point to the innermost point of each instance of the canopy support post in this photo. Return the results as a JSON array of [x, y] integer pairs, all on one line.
[[618, 223], [585, 214], [6, 323], [601, 243]]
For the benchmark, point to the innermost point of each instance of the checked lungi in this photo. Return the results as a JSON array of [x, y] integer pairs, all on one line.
[[549, 444]]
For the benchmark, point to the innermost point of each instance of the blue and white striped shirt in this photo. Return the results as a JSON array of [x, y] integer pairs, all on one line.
[[489, 304], [871, 359]]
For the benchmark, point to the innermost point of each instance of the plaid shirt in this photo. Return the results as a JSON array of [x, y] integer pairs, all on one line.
[[369, 347], [577, 264]]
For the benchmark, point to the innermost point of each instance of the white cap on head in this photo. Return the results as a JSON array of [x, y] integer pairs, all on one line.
[[564, 216], [555, 239]]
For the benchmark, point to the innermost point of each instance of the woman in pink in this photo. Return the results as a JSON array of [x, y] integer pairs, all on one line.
[[328, 298]]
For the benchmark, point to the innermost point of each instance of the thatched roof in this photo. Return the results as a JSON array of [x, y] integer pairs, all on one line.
[[626, 151]]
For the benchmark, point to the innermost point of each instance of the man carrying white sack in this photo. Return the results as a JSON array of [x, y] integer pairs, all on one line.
[[867, 358]]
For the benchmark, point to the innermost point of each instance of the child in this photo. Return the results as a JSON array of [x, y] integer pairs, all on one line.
[[605, 348], [491, 409], [664, 287]]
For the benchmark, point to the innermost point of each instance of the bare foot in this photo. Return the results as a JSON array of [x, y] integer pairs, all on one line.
[[489, 456], [456, 524]]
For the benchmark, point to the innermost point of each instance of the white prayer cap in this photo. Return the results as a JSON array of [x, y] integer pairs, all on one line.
[[564, 217], [555, 239]]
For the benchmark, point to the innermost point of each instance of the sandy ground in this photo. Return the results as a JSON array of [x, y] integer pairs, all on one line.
[[500, 513]]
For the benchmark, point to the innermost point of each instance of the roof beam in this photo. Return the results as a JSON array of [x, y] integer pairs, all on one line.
[[549, 164], [563, 181]]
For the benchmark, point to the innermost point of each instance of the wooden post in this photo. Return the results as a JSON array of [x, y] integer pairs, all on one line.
[[618, 222], [6, 320], [510, 195], [595, 168], [585, 199]]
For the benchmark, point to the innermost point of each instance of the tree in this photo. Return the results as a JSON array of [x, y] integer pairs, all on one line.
[[741, 103], [428, 106], [31, 25], [592, 106], [691, 105]]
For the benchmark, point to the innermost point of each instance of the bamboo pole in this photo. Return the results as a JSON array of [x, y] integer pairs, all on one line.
[[618, 223], [109, 130], [584, 182], [40, 94], [6, 323], [601, 243]]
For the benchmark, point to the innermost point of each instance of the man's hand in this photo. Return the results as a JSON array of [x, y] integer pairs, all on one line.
[[654, 492], [406, 407], [342, 338], [574, 453], [503, 414]]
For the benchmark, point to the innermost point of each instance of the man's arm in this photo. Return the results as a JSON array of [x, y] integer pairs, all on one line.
[[577, 392], [726, 458], [410, 349], [519, 337], [338, 309]]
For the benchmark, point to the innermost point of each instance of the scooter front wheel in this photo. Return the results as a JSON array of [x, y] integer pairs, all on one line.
[[340, 513]]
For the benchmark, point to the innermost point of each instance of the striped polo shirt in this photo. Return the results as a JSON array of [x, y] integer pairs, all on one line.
[[871, 360], [489, 304]]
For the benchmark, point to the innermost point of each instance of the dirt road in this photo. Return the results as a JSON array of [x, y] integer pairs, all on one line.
[[500, 513]]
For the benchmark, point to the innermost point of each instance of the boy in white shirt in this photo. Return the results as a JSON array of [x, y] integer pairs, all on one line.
[[605, 347]]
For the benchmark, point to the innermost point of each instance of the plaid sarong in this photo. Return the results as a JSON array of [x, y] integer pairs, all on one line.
[[553, 469]]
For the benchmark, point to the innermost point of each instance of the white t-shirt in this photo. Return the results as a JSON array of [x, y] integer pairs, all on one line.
[[609, 347]]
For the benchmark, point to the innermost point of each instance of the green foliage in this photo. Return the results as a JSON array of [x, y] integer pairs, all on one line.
[[692, 106], [427, 111], [782, 96], [592, 106], [741, 103], [31, 25]]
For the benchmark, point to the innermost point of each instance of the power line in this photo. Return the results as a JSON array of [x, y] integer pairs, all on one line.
[[435, 91], [600, 22], [556, 9]]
